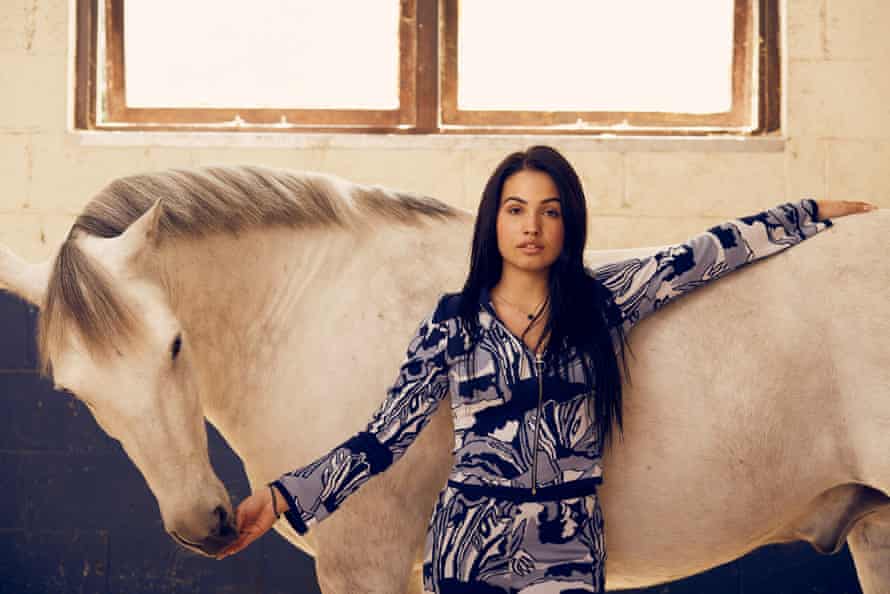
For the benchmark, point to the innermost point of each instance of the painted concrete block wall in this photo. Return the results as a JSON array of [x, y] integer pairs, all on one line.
[[837, 123], [837, 129]]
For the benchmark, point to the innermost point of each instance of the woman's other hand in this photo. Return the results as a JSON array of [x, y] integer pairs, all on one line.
[[253, 518], [832, 209]]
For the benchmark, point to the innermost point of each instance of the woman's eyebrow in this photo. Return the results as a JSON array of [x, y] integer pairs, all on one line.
[[518, 199]]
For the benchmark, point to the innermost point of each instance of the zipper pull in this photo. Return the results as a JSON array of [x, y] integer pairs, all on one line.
[[539, 365]]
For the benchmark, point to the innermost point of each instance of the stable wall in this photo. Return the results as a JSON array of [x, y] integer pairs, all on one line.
[[62, 479], [837, 140]]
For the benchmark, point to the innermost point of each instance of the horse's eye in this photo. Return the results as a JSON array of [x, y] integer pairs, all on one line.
[[176, 347]]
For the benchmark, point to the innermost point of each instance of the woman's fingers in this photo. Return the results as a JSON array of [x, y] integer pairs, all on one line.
[[245, 537], [253, 518], [231, 549], [251, 509], [832, 209], [857, 206], [240, 514]]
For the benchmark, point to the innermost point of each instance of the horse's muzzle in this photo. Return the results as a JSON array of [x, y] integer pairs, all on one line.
[[222, 535]]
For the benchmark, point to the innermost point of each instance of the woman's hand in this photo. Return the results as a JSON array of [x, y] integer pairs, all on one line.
[[253, 518], [832, 209]]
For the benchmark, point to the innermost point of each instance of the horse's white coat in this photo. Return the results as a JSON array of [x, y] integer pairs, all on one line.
[[750, 400]]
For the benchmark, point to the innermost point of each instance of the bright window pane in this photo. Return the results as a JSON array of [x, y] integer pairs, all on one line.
[[336, 54], [596, 55]]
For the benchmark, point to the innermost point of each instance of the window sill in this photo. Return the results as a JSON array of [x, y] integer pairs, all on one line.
[[694, 144]]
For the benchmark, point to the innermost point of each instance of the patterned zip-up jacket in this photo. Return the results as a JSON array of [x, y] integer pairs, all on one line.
[[500, 439]]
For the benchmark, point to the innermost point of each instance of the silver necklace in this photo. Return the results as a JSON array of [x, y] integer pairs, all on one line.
[[530, 316]]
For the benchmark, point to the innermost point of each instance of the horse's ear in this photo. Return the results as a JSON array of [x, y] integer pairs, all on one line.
[[142, 233], [26, 280]]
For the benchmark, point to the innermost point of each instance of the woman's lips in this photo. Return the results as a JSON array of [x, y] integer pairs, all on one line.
[[531, 249]]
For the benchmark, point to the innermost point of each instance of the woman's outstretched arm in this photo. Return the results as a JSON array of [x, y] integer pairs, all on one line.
[[311, 493], [641, 286]]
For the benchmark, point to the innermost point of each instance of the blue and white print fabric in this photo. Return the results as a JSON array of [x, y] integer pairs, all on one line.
[[640, 286], [478, 543], [495, 410]]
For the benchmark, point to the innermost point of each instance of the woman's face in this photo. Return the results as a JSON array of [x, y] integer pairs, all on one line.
[[529, 223]]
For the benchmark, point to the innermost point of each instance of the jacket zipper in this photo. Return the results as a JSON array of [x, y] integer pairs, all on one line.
[[539, 363]]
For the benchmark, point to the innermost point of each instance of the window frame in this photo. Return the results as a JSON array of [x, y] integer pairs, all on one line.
[[428, 46]]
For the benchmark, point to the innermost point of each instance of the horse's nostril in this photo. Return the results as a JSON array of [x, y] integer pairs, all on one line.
[[223, 529]]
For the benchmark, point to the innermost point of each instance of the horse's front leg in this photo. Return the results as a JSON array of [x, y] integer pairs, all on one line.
[[366, 547], [374, 542], [869, 542]]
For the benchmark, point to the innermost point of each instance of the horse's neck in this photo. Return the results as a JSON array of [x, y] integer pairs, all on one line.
[[238, 298], [257, 308]]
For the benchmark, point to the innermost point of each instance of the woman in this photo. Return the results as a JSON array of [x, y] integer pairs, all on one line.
[[530, 354]]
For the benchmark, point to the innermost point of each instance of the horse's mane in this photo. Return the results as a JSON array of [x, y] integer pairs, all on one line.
[[199, 202], [231, 199]]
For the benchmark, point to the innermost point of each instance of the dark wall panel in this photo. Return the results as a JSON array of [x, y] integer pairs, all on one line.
[[59, 561], [17, 345]]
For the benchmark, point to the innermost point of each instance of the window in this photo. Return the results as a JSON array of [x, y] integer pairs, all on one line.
[[429, 66]]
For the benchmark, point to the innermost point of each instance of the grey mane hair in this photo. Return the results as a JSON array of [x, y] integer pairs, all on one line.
[[200, 202]]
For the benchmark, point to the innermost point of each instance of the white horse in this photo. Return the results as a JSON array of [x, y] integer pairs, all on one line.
[[278, 305]]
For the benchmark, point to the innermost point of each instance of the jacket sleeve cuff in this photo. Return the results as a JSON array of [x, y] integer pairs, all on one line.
[[292, 515], [811, 207]]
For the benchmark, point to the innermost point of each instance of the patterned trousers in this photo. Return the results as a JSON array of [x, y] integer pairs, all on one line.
[[485, 540]]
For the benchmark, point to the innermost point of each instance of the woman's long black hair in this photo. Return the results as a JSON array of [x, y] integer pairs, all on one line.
[[582, 312]]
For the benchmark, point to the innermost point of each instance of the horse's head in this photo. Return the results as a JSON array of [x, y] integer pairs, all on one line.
[[108, 334]]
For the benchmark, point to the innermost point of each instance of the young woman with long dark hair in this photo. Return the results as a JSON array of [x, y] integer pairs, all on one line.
[[531, 354]]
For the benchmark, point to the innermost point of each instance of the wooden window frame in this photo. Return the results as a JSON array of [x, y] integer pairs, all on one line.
[[428, 46]]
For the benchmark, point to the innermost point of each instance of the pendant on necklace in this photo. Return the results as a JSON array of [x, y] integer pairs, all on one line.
[[531, 317]]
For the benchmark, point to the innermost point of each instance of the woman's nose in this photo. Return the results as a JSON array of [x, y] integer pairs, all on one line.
[[532, 225]]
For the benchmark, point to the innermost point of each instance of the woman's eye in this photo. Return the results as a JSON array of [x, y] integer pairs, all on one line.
[[176, 346], [513, 210]]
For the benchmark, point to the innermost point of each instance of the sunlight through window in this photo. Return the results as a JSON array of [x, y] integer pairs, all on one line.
[[584, 67], [262, 54], [596, 55]]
